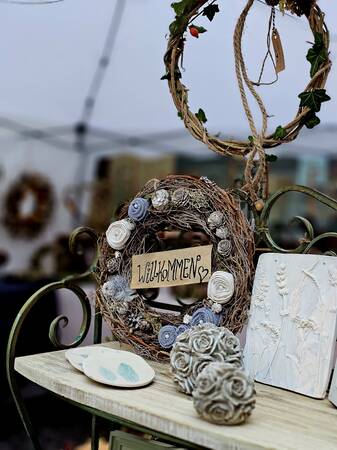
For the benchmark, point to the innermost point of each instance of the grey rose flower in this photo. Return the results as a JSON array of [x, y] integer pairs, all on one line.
[[203, 341], [222, 232], [216, 219], [118, 289], [224, 394], [224, 248], [196, 348]]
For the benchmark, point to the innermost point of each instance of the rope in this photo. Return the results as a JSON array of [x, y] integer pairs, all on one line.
[[253, 181]]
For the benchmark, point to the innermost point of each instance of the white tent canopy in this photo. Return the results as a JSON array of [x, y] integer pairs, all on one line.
[[49, 54]]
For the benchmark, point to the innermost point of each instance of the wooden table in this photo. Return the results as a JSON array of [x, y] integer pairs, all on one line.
[[281, 420]]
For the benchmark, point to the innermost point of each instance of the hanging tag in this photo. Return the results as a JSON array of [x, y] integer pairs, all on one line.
[[278, 50]]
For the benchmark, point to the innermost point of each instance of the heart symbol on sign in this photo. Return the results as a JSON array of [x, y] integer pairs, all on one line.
[[202, 272]]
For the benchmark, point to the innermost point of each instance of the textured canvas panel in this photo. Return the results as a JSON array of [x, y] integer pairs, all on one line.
[[292, 326]]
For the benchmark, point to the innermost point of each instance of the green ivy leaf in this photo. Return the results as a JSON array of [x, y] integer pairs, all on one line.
[[181, 7], [251, 139], [280, 133], [313, 99], [311, 120], [180, 115], [271, 158], [318, 54], [210, 11], [201, 115]]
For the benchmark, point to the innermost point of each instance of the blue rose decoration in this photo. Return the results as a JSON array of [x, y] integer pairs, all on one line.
[[181, 328], [138, 209], [205, 315], [167, 336]]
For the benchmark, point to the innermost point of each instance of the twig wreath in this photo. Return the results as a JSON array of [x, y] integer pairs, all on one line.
[[187, 11], [31, 224], [189, 205]]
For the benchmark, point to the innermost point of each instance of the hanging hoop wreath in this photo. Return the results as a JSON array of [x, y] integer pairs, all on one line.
[[201, 212], [28, 225], [187, 11]]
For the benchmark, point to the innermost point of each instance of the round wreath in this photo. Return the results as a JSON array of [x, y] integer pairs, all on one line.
[[28, 225], [187, 11], [194, 206]]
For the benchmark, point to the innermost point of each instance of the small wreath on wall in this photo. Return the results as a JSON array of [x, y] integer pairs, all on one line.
[[36, 190], [311, 99], [198, 209]]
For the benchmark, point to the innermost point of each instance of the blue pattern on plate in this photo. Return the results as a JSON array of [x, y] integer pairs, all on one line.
[[107, 374], [127, 372]]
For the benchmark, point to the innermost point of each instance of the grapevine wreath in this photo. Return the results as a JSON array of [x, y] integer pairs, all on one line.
[[187, 204], [28, 225], [187, 12]]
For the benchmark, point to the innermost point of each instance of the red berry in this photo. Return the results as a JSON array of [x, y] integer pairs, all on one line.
[[194, 32]]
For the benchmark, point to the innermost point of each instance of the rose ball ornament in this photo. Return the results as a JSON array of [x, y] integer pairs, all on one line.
[[119, 233], [138, 209], [224, 394], [220, 287], [199, 346]]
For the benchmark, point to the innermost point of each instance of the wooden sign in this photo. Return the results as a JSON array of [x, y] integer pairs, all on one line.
[[172, 268]]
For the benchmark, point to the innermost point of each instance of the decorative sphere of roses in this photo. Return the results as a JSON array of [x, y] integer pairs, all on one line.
[[119, 233], [224, 394], [199, 346], [220, 287]]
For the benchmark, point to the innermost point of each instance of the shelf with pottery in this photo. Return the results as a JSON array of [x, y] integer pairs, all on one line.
[[281, 419]]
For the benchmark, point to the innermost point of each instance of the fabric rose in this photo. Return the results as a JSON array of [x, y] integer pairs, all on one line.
[[167, 336], [119, 233], [220, 287], [201, 345], [181, 197], [205, 315], [216, 219], [118, 289], [138, 209], [160, 198], [182, 328], [221, 232], [224, 394], [224, 248]]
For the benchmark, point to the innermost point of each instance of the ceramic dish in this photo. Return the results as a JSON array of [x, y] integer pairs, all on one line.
[[118, 368]]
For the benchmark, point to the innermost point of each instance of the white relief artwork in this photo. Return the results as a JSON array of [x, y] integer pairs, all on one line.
[[292, 325]]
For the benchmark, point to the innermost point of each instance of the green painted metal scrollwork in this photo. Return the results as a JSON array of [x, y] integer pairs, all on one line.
[[263, 233], [69, 283]]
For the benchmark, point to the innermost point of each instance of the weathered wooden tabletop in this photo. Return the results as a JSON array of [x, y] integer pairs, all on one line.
[[281, 419]]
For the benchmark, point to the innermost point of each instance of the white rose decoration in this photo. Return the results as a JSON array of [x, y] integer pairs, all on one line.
[[160, 198], [118, 233], [220, 287]]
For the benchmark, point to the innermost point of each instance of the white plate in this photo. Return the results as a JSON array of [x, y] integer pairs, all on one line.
[[76, 356], [118, 368]]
